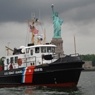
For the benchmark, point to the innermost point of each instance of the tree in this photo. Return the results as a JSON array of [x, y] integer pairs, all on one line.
[[89, 57]]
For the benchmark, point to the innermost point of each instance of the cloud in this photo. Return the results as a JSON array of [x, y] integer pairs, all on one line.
[[13, 33], [78, 16], [20, 10]]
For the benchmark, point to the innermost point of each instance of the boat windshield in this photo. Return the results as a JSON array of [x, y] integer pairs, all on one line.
[[47, 49], [53, 49], [37, 50], [43, 49]]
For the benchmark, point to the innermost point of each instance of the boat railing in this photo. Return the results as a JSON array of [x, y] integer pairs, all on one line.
[[71, 55], [29, 60], [33, 60], [76, 54], [55, 56]]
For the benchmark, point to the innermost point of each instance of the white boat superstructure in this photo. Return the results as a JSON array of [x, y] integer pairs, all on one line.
[[30, 55]]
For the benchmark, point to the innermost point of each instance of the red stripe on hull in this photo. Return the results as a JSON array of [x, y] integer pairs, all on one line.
[[60, 85], [29, 74], [69, 84]]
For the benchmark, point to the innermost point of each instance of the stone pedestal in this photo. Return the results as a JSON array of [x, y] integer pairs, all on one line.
[[59, 43]]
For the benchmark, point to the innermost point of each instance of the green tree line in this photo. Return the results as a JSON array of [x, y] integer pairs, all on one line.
[[89, 57]]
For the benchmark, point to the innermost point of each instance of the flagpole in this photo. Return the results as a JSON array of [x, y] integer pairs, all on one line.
[[32, 21], [8, 48], [32, 37], [44, 36], [74, 44]]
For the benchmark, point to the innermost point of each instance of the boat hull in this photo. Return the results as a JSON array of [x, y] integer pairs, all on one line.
[[51, 75]]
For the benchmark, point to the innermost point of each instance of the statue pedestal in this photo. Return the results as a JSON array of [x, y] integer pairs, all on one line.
[[59, 43]]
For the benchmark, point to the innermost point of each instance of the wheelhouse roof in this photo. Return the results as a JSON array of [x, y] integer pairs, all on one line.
[[46, 45]]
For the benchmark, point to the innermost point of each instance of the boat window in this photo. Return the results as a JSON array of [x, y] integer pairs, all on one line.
[[7, 61], [31, 52], [11, 60], [48, 49], [53, 49], [16, 58], [43, 49], [27, 50], [37, 50]]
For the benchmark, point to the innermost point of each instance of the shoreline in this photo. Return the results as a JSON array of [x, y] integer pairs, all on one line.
[[88, 70]]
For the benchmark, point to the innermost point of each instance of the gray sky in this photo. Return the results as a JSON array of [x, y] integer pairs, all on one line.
[[78, 16]]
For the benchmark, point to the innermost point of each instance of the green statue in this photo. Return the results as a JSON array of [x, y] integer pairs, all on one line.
[[57, 24]]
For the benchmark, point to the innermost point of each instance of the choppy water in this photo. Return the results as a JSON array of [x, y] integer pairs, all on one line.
[[86, 86]]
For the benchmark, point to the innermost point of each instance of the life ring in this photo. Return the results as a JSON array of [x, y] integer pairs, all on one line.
[[19, 61]]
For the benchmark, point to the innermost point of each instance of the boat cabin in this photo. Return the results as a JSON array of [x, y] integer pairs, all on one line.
[[30, 55]]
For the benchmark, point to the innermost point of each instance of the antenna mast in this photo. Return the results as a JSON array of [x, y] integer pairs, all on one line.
[[75, 44]]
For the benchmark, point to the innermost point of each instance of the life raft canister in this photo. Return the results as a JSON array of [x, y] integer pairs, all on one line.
[[19, 61]]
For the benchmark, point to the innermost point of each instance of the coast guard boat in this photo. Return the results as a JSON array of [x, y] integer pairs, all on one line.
[[39, 65]]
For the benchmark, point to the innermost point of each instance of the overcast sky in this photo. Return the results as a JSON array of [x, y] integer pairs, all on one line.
[[78, 16]]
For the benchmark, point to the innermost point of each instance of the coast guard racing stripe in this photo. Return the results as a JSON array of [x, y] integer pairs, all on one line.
[[27, 75]]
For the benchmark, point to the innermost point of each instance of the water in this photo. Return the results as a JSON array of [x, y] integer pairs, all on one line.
[[86, 86]]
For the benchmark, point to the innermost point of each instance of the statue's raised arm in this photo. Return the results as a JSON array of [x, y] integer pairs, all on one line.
[[52, 6], [57, 22]]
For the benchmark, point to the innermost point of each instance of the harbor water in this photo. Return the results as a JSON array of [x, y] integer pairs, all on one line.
[[86, 86]]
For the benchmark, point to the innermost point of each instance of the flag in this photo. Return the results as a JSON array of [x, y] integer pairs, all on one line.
[[33, 29]]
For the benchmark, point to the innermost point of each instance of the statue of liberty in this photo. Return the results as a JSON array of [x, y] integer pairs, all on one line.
[[57, 23]]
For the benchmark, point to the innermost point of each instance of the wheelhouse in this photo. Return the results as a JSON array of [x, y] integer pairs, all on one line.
[[30, 55]]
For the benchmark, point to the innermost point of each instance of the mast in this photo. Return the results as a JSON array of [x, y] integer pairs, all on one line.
[[35, 32], [74, 44], [8, 48], [44, 40], [32, 29], [32, 39]]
